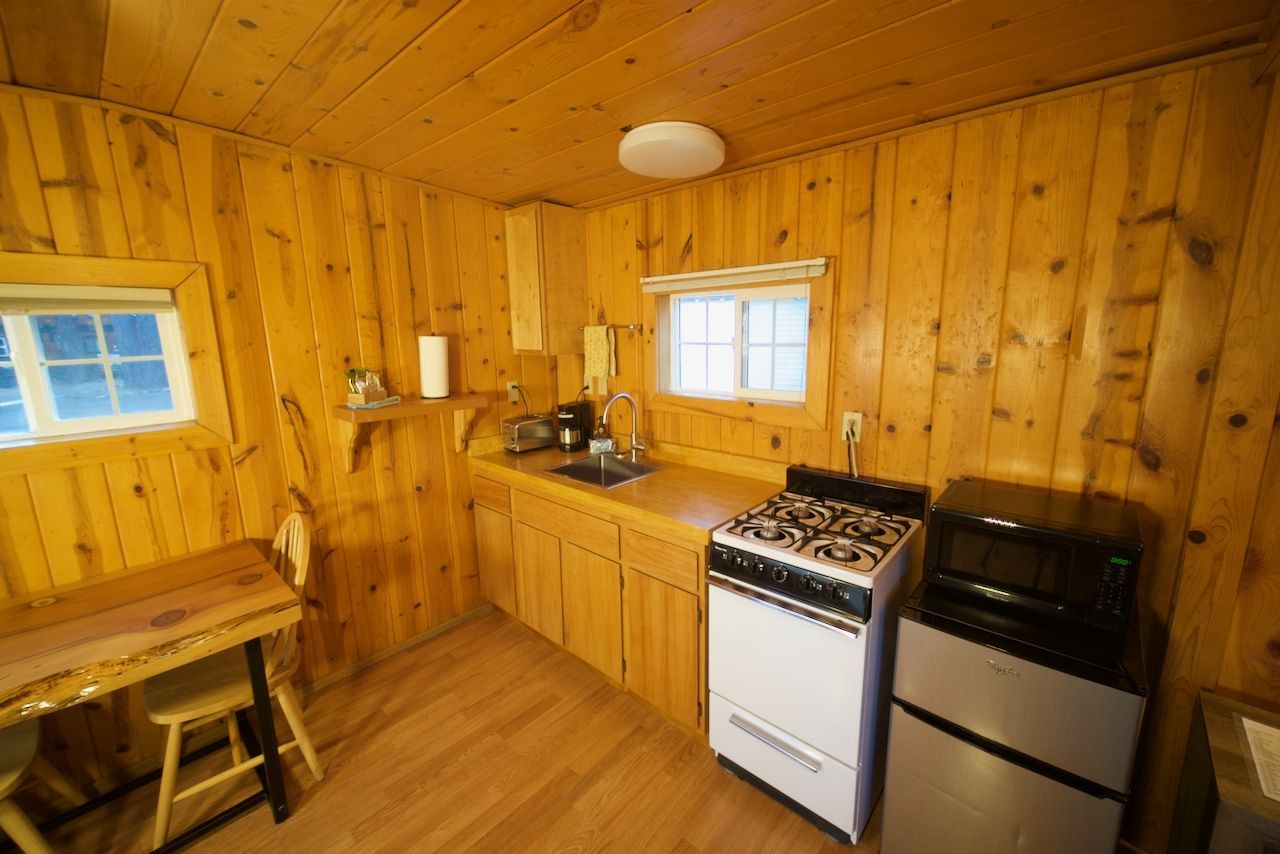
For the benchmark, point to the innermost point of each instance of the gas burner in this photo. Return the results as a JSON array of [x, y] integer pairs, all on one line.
[[766, 530], [842, 550], [807, 512], [866, 526]]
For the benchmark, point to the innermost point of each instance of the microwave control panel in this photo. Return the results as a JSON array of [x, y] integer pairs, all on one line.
[[1117, 572]]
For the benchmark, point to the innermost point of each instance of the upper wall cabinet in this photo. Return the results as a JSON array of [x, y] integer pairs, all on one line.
[[547, 274]]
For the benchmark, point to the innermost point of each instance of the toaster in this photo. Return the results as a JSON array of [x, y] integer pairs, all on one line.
[[528, 433]]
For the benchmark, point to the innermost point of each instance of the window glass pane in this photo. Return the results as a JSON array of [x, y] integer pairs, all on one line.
[[5, 353], [693, 366], [693, 320], [79, 391], [788, 368], [720, 321], [720, 365], [793, 320], [13, 419], [759, 321], [66, 336], [131, 334], [759, 367], [142, 387]]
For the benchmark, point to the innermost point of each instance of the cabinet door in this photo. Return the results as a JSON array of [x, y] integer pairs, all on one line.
[[661, 646], [592, 609], [538, 581], [497, 559], [524, 278]]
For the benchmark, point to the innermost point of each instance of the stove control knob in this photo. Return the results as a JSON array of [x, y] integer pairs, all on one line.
[[808, 585], [779, 574], [757, 567], [835, 593], [738, 560]]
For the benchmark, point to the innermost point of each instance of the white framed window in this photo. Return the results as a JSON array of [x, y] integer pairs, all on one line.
[[748, 342], [86, 359]]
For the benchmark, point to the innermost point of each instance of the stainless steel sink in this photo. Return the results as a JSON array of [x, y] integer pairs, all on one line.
[[603, 470]]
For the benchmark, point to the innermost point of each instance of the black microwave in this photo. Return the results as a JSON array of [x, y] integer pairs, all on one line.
[[1064, 557]]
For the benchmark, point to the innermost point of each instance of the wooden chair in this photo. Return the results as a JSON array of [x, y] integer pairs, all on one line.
[[217, 686], [18, 756]]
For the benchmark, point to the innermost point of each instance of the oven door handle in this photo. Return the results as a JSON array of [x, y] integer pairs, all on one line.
[[833, 623], [804, 757]]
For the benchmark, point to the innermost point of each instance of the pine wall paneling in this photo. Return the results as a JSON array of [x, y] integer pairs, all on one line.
[[313, 268], [1039, 296]]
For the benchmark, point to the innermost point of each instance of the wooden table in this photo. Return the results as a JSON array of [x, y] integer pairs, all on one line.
[[72, 643]]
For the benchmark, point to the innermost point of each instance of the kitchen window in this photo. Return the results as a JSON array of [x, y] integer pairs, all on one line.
[[106, 359], [750, 343], [86, 359]]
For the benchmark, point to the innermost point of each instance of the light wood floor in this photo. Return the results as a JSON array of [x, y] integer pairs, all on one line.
[[485, 738]]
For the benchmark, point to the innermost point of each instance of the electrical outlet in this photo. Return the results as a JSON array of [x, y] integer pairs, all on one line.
[[852, 424], [513, 396]]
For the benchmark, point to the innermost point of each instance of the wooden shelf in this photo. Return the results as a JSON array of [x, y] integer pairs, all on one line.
[[354, 424]]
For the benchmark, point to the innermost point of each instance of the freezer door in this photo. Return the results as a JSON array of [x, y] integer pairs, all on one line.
[[945, 794], [1080, 726]]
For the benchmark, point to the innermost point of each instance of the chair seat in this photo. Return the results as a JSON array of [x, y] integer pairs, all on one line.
[[18, 745], [208, 686]]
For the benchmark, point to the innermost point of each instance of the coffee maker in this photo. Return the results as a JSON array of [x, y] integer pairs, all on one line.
[[573, 425]]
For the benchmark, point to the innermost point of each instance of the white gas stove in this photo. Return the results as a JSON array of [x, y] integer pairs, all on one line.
[[802, 590]]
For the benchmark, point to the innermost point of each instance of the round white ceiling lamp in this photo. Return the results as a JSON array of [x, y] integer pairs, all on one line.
[[671, 150]]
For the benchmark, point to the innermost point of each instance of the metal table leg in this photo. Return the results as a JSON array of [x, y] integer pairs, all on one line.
[[266, 730]]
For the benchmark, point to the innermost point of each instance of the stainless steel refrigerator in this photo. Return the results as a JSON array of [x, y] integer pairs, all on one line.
[[1007, 735]]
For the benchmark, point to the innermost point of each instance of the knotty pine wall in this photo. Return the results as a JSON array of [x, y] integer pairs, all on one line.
[[1082, 293], [314, 269]]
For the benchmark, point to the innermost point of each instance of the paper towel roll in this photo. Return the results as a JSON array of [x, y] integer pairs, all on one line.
[[433, 358]]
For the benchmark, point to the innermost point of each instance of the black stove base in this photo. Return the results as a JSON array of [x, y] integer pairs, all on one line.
[[804, 812]]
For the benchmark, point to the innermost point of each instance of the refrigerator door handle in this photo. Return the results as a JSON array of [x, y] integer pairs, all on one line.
[[804, 757]]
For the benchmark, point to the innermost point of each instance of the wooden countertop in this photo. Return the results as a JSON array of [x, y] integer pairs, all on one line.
[[687, 500]]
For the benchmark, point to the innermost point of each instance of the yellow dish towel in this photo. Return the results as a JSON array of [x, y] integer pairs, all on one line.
[[598, 357]]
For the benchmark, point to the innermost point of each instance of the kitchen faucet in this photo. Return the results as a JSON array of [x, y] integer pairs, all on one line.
[[637, 445]]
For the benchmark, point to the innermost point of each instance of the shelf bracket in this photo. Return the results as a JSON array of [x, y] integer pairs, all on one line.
[[352, 437], [463, 421]]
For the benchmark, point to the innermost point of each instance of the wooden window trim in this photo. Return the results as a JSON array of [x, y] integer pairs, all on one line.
[[190, 285], [811, 414]]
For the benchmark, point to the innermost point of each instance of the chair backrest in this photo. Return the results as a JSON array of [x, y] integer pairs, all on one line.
[[290, 557]]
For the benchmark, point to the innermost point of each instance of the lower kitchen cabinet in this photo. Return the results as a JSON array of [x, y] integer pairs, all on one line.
[[538, 592], [592, 609], [497, 558], [661, 648]]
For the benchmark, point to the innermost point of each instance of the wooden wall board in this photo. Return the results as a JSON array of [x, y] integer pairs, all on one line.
[[24, 226], [1140, 141], [78, 177], [1228, 483], [973, 286], [1054, 177], [56, 45]]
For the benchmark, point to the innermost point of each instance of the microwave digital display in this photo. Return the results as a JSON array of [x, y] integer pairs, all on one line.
[[1031, 566]]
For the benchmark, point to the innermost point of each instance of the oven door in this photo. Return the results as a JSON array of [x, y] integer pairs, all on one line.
[[1029, 569], [799, 670]]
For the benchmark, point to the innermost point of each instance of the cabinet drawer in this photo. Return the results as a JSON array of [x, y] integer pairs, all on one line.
[[676, 565], [572, 526], [492, 494]]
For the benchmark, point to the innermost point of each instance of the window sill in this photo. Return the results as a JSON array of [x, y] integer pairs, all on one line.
[[22, 456], [800, 416]]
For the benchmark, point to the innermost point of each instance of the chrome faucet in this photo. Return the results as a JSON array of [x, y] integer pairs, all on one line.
[[637, 445]]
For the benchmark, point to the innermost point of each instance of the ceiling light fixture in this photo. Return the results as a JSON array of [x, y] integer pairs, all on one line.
[[671, 150]]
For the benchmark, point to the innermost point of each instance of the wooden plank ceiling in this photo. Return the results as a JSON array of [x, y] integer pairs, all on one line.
[[527, 100]]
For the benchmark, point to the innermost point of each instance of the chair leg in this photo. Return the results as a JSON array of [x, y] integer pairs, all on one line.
[[20, 829], [168, 783], [233, 736], [45, 771], [293, 714]]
